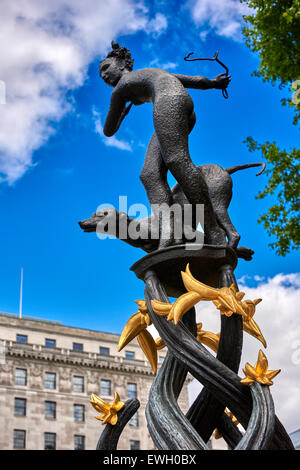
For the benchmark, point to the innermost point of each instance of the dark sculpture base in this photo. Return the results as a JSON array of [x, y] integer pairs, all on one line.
[[205, 264], [169, 428]]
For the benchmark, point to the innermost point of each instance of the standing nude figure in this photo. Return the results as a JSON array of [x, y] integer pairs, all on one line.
[[174, 119]]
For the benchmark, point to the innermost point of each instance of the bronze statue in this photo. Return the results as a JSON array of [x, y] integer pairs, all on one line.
[[173, 118], [203, 273]]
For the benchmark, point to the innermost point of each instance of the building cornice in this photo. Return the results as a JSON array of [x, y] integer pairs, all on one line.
[[55, 328], [65, 356]]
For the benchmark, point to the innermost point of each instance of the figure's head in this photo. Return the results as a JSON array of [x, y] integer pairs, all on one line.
[[117, 62]]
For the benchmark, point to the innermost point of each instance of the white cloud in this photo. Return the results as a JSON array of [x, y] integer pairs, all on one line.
[[224, 17], [278, 317], [109, 141], [157, 25], [163, 65], [45, 50]]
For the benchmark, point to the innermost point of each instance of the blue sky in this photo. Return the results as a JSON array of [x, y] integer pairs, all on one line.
[[56, 168]]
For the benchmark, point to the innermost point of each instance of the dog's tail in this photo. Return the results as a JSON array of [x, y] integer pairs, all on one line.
[[233, 169]]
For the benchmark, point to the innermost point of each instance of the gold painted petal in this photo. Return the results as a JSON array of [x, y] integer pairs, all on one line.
[[257, 301], [240, 295], [247, 381], [191, 284], [223, 310], [228, 300], [232, 287], [249, 309], [264, 380], [116, 398], [233, 418], [272, 373], [132, 328], [100, 405], [250, 371], [240, 309], [142, 306], [231, 301], [161, 308], [148, 345], [209, 339], [182, 305], [117, 404], [252, 328], [159, 344], [113, 419], [262, 364], [105, 419]]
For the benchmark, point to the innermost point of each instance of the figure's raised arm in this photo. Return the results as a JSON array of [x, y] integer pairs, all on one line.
[[202, 83], [117, 111]]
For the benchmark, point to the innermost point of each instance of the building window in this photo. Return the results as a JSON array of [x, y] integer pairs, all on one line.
[[50, 441], [50, 380], [104, 351], [50, 410], [78, 347], [129, 354], [134, 445], [105, 388], [134, 421], [131, 390], [19, 439], [78, 384], [161, 359], [21, 338], [79, 413], [21, 377], [50, 343], [79, 442], [20, 407]]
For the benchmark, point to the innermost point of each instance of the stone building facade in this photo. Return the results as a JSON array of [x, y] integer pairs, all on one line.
[[47, 374]]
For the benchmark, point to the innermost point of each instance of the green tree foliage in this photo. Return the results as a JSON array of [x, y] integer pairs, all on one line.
[[282, 219], [273, 31]]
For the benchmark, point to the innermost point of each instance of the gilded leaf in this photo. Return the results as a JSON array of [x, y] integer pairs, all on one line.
[[192, 285], [159, 344], [148, 345], [182, 305], [142, 306], [252, 328], [206, 337], [161, 308], [132, 328]]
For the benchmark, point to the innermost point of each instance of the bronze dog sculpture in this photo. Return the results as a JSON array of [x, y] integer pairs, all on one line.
[[219, 183]]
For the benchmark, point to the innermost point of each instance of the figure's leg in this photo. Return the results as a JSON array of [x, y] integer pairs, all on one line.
[[154, 179], [154, 175], [173, 119]]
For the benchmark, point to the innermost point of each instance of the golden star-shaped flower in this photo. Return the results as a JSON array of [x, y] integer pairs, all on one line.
[[109, 410], [259, 373]]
